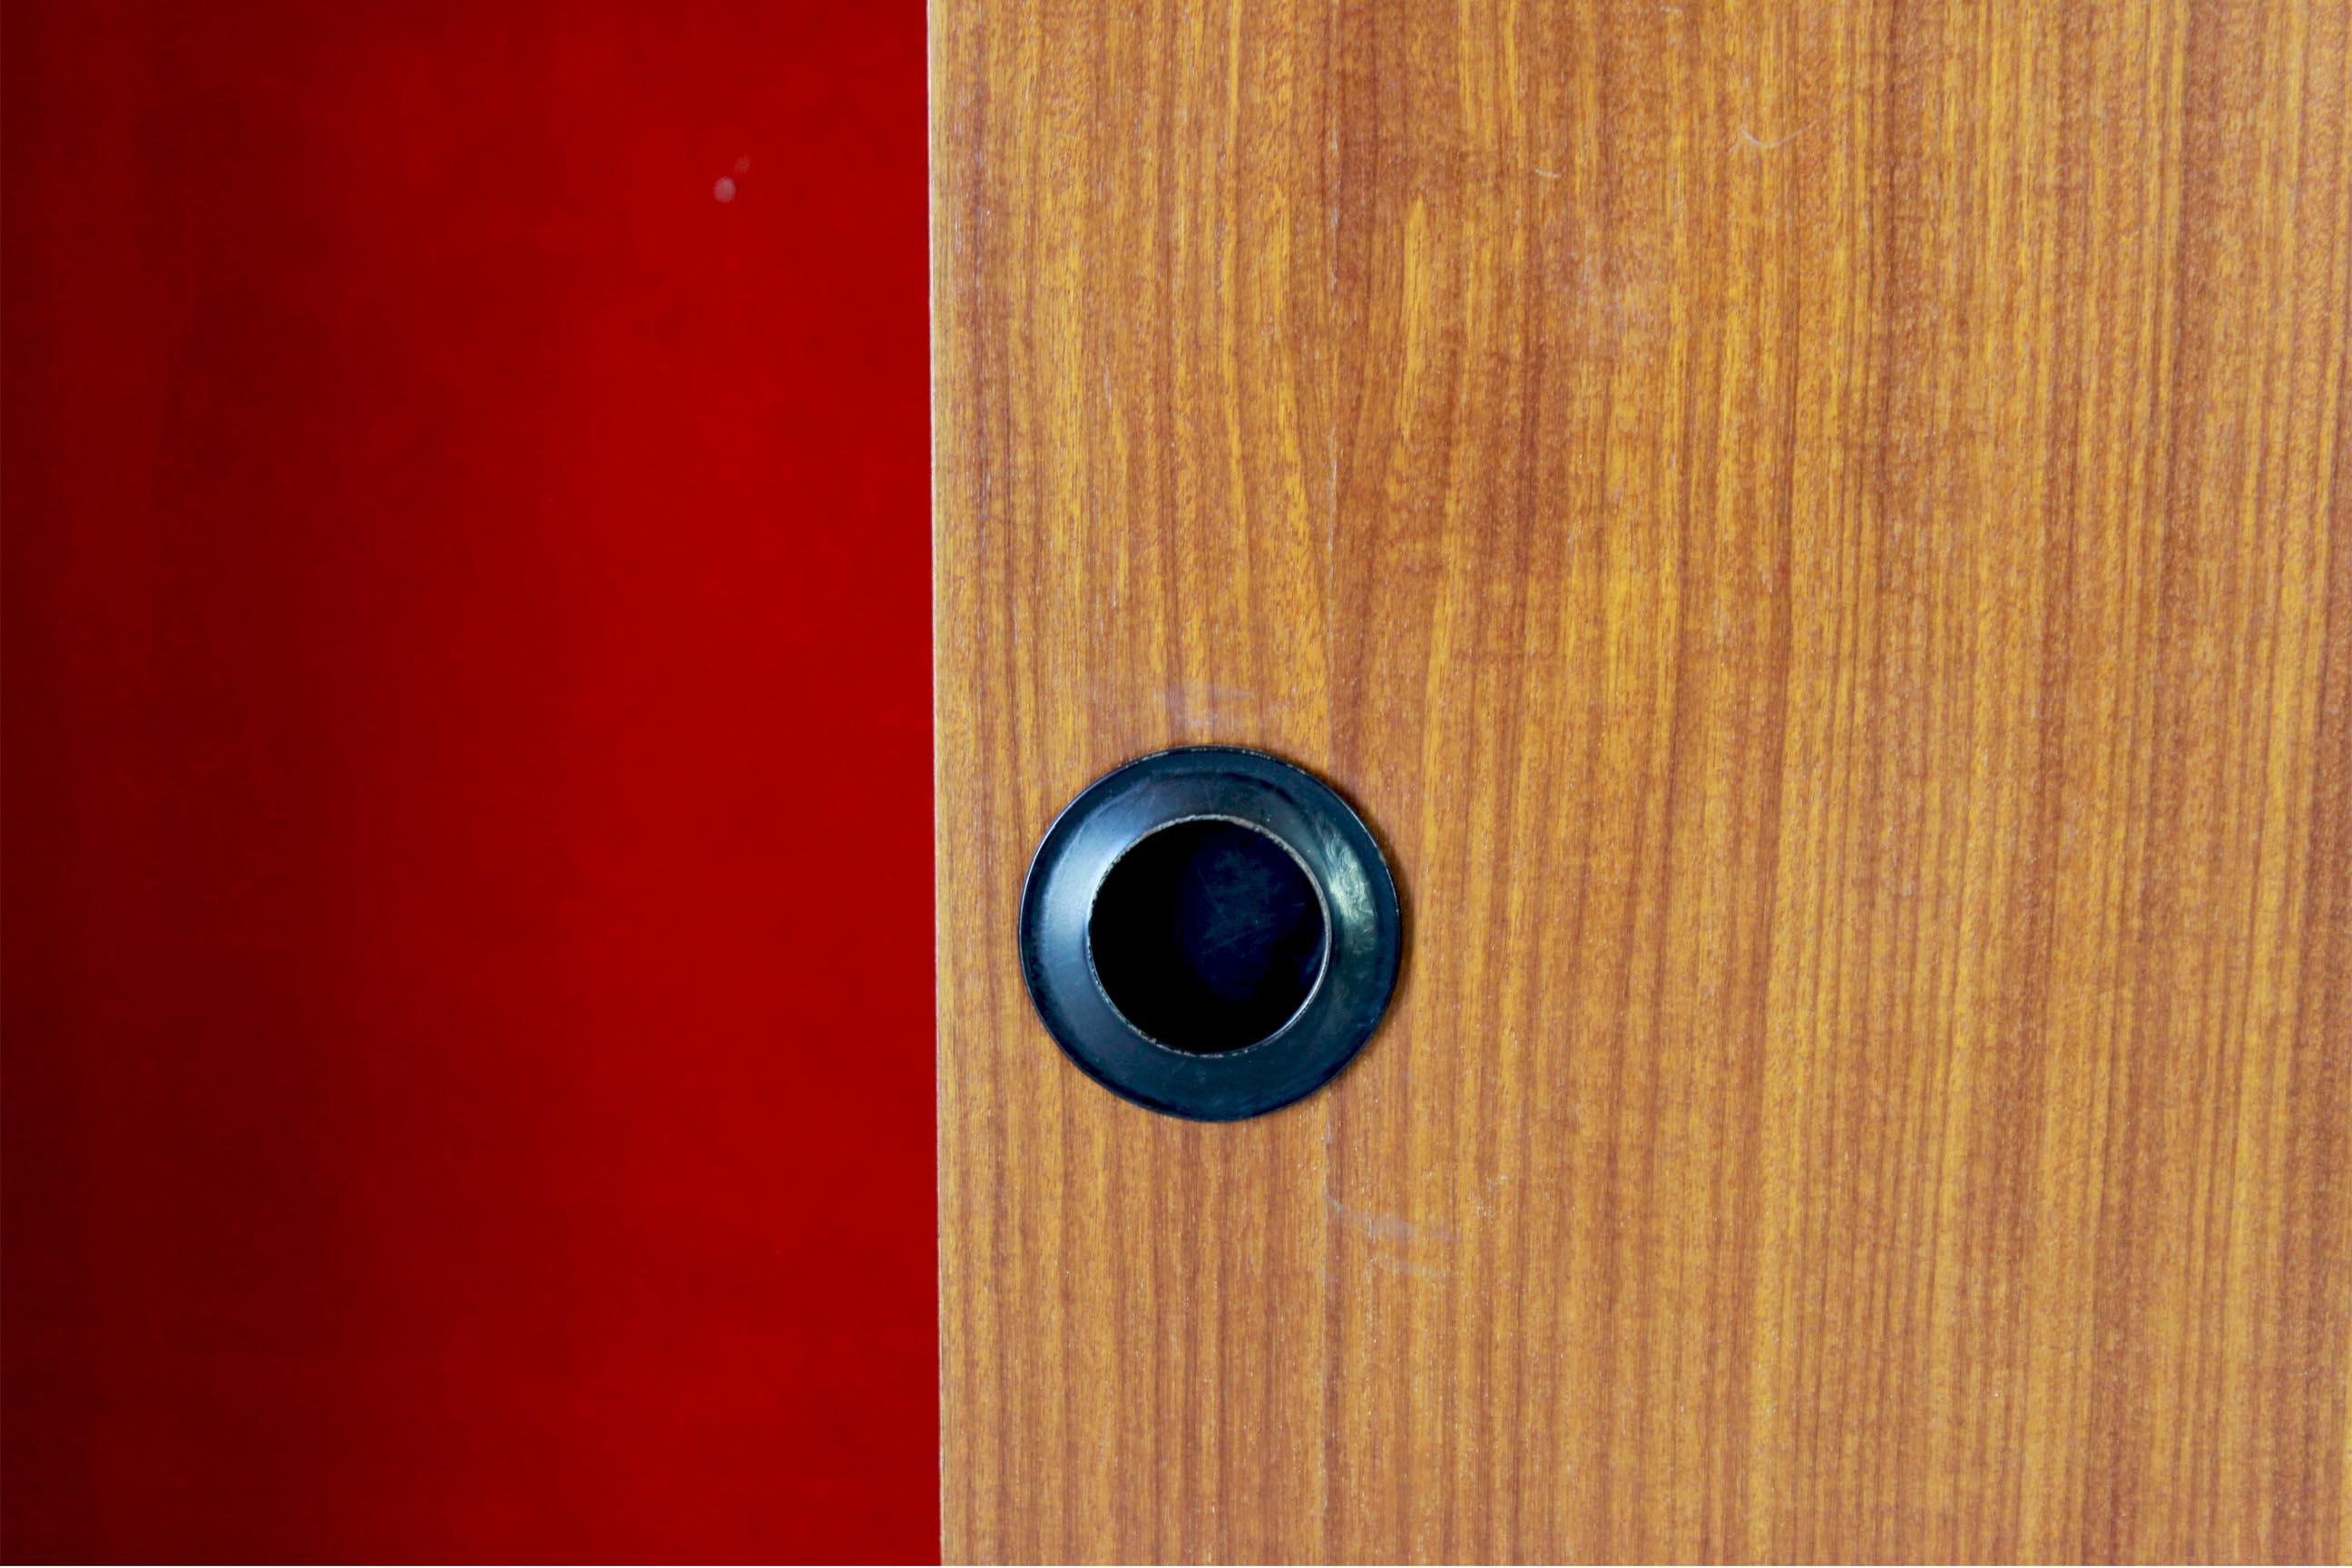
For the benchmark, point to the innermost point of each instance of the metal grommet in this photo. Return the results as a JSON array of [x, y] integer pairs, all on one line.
[[1210, 931]]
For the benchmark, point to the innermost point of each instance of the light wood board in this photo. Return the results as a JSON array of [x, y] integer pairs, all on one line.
[[1818, 535]]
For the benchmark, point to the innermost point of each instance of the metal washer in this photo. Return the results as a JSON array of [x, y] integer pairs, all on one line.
[[1364, 920]]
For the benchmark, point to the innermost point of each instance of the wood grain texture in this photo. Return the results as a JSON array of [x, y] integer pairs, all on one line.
[[1820, 535]]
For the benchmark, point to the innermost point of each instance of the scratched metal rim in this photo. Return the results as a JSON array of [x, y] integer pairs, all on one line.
[[1363, 923]]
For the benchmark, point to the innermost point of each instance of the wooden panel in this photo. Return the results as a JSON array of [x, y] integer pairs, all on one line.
[[1817, 534]]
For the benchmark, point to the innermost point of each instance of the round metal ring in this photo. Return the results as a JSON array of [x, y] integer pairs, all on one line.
[[1361, 944]]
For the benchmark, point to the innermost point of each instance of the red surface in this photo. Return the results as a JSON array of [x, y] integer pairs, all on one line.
[[467, 1070]]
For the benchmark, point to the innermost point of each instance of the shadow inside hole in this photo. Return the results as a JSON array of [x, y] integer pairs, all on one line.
[[1207, 935]]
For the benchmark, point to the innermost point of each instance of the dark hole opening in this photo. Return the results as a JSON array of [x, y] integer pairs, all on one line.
[[1207, 935]]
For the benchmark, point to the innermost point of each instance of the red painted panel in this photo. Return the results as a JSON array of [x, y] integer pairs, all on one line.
[[468, 899]]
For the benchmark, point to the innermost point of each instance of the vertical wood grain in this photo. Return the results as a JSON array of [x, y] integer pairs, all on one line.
[[1818, 535]]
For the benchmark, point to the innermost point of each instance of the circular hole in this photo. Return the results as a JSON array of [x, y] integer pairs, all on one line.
[[1207, 935]]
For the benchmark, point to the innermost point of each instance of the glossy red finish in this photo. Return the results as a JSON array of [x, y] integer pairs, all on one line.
[[467, 894]]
